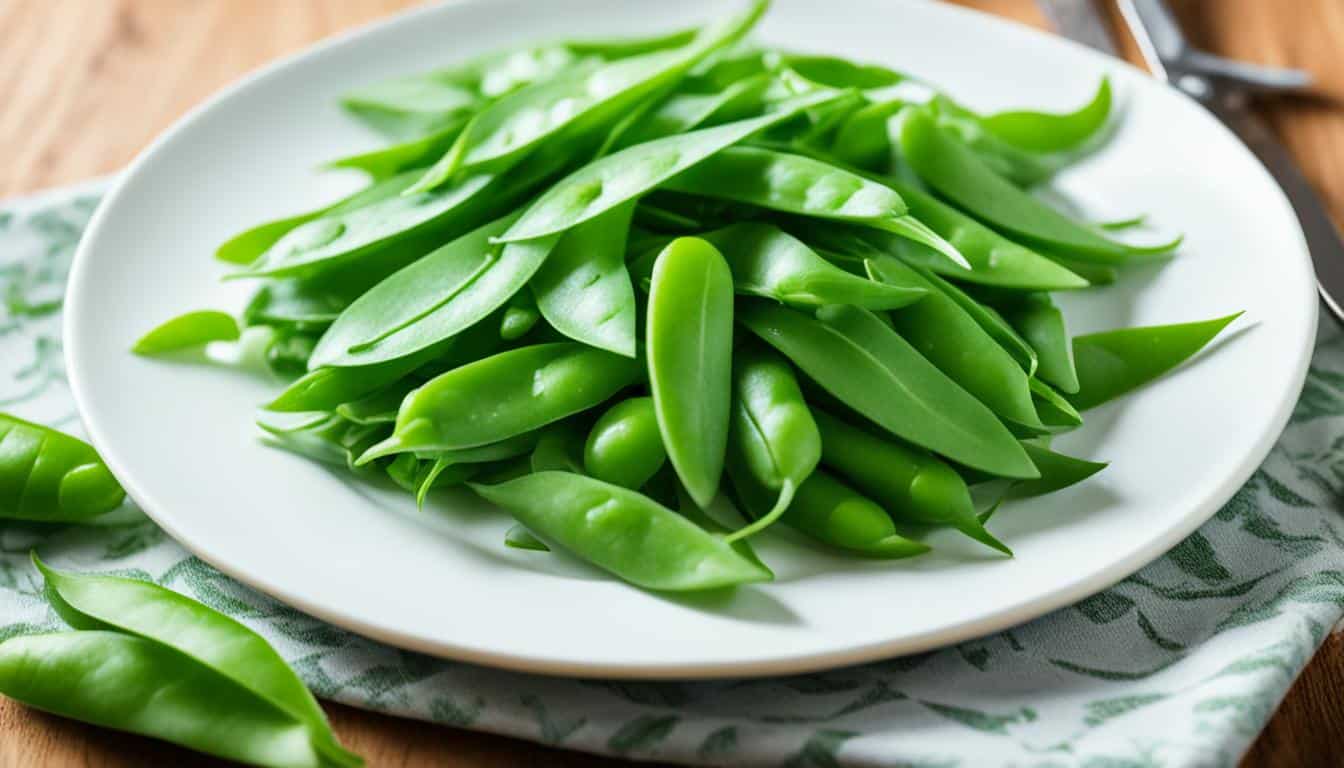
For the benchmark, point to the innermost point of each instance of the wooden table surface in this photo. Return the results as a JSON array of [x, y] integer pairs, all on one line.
[[86, 84]]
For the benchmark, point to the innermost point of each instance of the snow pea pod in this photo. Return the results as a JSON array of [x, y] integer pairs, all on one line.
[[1053, 132], [1112, 363], [1056, 412], [835, 72], [288, 351], [951, 339], [1022, 168], [863, 139], [990, 320], [955, 172], [806, 186], [625, 446], [583, 288], [684, 112], [317, 436], [689, 336], [626, 47], [520, 317], [186, 331], [1042, 325], [559, 447], [410, 107], [323, 389], [868, 366], [911, 484], [408, 155], [218, 642], [771, 430], [623, 532], [504, 395], [49, 476], [519, 537]]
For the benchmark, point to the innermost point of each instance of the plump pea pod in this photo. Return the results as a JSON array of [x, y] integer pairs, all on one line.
[[583, 289], [989, 319], [432, 299], [1112, 363], [50, 476], [1056, 412], [1057, 472], [956, 173], [408, 155], [519, 537], [1053, 132], [325, 389], [504, 395], [409, 107], [623, 532], [520, 316], [130, 684], [868, 366], [210, 638], [911, 484], [625, 446], [771, 429], [806, 186], [188, 331], [1042, 325], [952, 340], [689, 338]]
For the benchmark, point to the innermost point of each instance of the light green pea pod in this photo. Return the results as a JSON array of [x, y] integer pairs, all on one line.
[[625, 445], [584, 290], [1042, 326], [188, 331], [49, 476], [1111, 363]]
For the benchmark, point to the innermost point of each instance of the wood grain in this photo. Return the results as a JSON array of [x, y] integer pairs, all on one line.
[[86, 85]]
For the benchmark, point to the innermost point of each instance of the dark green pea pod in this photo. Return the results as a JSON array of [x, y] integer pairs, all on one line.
[[950, 338], [410, 107], [519, 537], [689, 338], [990, 320], [325, 389], [625, 446], [771, 429], [623, 532], [584, 290], [909, 483], [188, 331], [956, 173], [1042, 325], [1057, 472], [1055, 410], [415, 153], [51, 477], [215, 642], [1113, 363], [504, 395]]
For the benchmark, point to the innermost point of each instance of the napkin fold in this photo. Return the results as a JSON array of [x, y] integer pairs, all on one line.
[[1180, 664]]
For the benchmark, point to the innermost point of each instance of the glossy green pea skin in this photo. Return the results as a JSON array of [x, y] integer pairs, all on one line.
[[951, 339], [1056, 412], [957, 174], [1112, 363], [443, 473], [409, 107], [1057, 472], [689, 338], [49, 476], [835, 72], [1022, 168], [188, 331], [559, 447], [381, 406], [624, 47], [325, 389], [215, 641], [862, 139], [520, 317], [991, 321], [412, 154], [860, 360], [1042, 325], [583, 288], [504, 395], [911, 484], [625, 447], [684, 112], [623, 532], [771, 432], [1053, 132], [519, 537]]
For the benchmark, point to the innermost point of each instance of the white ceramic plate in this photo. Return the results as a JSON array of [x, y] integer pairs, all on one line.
[[180, 436]]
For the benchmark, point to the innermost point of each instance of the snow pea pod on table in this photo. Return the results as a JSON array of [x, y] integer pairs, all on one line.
[[49, 476]]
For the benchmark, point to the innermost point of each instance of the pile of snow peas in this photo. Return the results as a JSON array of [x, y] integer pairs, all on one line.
[[611, 285]]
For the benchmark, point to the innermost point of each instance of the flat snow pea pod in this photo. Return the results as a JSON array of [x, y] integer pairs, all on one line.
[[410, 107], [869, 367], [1112, 363], [834, 72], [625, 447], [1022, 168], [50, 476], [324, 389], [771, 429], [160, 615], [951, 339], [1042, 325], [990, 320], [1057, 472], [911, 484], [1053, 132], [504, 395], [131, 684], [408, 155], [187, 331], [863, 140], [519, 537], [623, 532], [583, 289], [689, 338], [683, 112], [956, 173], [1056, 412], [806, 186], [432, 299], [621, 48]]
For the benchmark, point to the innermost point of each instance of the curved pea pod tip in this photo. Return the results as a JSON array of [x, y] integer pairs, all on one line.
[[187, 331]]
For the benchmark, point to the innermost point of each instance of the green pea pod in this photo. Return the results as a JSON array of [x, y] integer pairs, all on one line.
[[623, 532], [951, 339], [1057, 472], [407, 471], [1094, 274], [1053, 132], [313, 435], [990, 320], [684, 112], [1113, 363], [188, 331], [1056, 412], [519, 537], [559, 447], [1042, 325], [584, 290], [410, 107], [412, 154], [868, 366], [863, 139], [520, 316], [432, 299], [771, 429], [956, 173], [806, 186], [689, 338], [288, 351], [129, 684], [625, 446], [633, 46], [504, 395], [379, 407], [441, 474], [1022, 168], [834, 72], [325, 389], [49, 476], [210, 638], [911, 484]]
